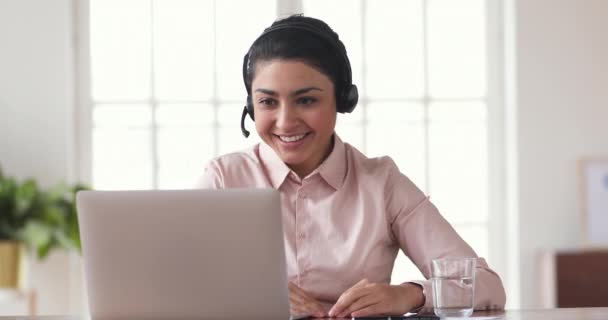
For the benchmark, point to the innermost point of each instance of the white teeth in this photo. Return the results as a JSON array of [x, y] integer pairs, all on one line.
[[292, 138]]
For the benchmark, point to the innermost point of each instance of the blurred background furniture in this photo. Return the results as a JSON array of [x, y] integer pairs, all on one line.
[[574, 278], [17, 302]]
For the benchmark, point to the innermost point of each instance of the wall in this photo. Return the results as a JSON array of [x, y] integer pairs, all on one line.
[[36, 115], [561, 101], [36, 88]]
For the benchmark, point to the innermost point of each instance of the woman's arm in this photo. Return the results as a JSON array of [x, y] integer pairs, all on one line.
[[423, 234]]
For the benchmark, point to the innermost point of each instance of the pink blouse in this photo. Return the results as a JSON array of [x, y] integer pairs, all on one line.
[[347, 220]]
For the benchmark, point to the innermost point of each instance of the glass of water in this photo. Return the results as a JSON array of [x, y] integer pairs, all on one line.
[[453, 286]]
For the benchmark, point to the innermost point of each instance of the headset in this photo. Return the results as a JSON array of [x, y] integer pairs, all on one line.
[[347, 94]]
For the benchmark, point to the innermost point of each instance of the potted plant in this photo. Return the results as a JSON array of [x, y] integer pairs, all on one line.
[[42, 220]]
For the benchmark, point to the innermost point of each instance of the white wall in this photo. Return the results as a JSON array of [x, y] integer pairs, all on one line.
[[36, 88], [36, 115], [561, 74]]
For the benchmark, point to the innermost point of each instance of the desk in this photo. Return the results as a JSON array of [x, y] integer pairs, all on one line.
[[540, 314]]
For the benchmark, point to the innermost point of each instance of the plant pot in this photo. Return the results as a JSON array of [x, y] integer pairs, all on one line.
[[10, 258]]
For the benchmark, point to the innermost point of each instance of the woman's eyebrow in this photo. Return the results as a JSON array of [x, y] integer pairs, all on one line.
[[304, 90], [266, 91], [293, 94]]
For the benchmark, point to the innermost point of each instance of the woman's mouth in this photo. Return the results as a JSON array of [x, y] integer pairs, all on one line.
[[295, 138], [292, 141]]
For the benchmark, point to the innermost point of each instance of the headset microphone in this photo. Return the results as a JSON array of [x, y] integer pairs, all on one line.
[[243, 130]]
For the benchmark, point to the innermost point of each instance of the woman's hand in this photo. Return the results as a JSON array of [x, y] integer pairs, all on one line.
[[374, 299], [302, 303]]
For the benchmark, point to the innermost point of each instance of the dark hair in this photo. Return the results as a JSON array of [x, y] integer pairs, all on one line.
[[311, 41]]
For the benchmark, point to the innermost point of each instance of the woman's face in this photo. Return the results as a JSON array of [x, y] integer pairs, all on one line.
[[295, 112]]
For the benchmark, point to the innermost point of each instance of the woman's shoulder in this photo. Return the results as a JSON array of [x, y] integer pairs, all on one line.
[[383, 176], [233, 170], [237, 159], [363, 164]]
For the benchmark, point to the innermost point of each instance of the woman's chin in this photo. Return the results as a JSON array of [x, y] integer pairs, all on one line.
[[292, 160]]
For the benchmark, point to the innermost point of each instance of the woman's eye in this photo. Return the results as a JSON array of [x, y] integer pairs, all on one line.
[[306, 100], [266, 102]]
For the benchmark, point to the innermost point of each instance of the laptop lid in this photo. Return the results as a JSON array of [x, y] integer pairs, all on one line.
[[205, 254]]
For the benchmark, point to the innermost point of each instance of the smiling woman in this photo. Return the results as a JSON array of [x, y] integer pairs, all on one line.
[[345, 216], [295, 112]]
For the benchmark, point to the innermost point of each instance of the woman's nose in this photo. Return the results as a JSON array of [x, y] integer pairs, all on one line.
[[286, 117]]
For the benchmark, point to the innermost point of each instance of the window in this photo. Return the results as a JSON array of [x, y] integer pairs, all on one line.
[[166, 87], [167, 93]]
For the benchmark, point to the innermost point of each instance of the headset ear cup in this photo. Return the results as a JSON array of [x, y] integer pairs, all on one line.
[[250, 108], [349, 99]]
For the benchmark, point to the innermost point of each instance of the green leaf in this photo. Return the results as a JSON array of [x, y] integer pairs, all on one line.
[[57, 190], [73, 232], [52, 215], [8, 188], [7, 232], [43, 251], [36, 234], [25, 197], [64, 241]]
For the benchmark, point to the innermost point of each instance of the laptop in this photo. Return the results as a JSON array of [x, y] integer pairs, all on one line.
[[204, 254]]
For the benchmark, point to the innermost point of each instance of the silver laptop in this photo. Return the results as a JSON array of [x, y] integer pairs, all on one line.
[[204, 254]]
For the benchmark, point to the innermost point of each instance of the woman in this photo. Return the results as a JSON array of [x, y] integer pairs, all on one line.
[[345, 216]]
